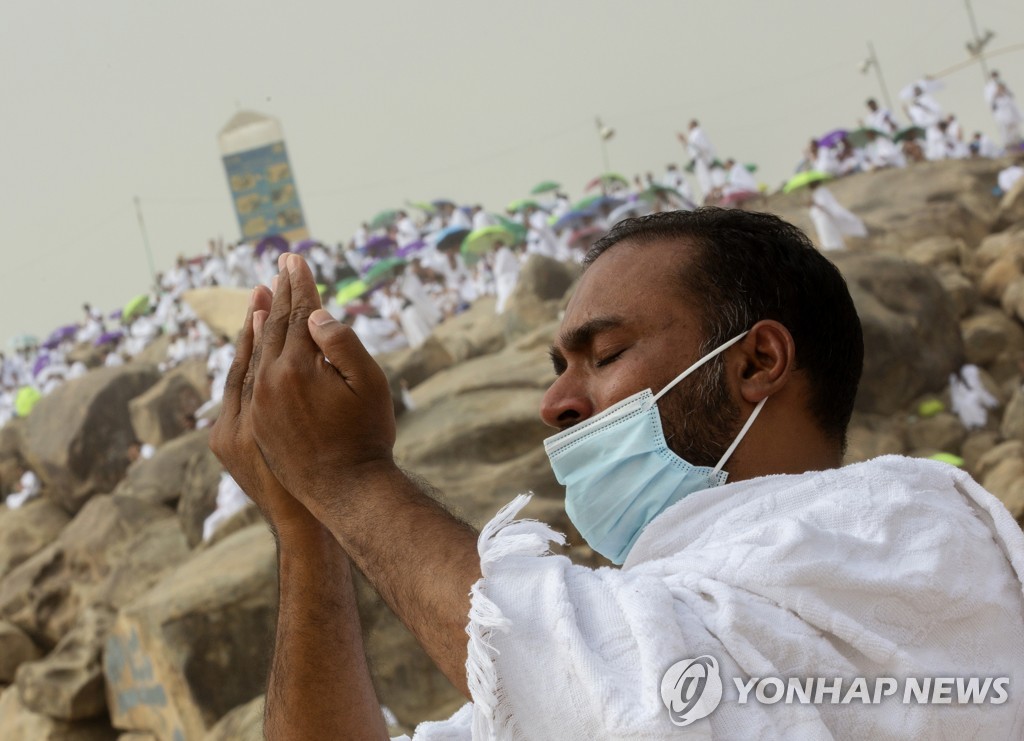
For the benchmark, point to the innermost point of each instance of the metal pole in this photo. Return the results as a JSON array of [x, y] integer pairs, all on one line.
[[977, 40], [145, 240], [878, 71]]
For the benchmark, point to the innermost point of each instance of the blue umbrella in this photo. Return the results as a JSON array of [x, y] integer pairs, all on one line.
[[573, 219], [450, 237]]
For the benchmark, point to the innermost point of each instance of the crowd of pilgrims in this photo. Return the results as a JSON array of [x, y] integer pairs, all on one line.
[[407, 270]]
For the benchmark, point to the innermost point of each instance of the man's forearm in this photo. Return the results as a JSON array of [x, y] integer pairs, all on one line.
[[319, 682], [421, 559]]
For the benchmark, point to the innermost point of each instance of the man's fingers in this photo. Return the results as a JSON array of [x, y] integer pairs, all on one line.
[[240, 365], [276, 328], [305, 300], [340, 346], [259, 319]]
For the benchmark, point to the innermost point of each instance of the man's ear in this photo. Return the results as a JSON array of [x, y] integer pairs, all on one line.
[[768, 357]]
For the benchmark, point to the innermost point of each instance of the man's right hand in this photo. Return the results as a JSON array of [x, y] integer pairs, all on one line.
[[231, 438]]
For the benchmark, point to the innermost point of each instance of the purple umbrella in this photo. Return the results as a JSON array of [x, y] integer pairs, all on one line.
[[832, 138], [115, 314], [410, 248], [60, 334], [274, 241], [379, 247], [41, 362], [106, 337], [572, 219], [306, 245]]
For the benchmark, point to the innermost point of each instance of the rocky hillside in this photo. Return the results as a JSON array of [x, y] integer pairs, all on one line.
[[118, 621]]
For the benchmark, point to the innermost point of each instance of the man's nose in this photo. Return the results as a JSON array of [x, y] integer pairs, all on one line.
[[565, 403]]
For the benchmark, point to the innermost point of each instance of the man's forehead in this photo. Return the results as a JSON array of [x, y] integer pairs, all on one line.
[[629, 279]]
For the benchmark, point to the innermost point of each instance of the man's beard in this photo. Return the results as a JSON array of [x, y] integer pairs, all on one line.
[[699, 416]]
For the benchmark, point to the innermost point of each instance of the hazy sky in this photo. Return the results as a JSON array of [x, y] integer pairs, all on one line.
[[381, 102]]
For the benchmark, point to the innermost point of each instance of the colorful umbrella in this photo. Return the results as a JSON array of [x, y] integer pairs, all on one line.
[[481, 241], [422, 206], [606, 180], [410, 248], [546, 187], [350, 290], [654, 191], [751, 167], [41, 362], [804, 178], [106, 337], [631, 208], [60, 334], [597, 202], [521, 204], [440, 203], [572, 219], [24, 401], [274, 242], [862, 137], [832, 138], [911, 132], [585, 237], [382, 270], [136, 307], [450, 237], [24, 342], [380, 247], [384, 219], [306, 245], [950, 458]]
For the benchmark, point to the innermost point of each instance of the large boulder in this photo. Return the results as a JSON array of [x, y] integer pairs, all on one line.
[[197, 644], [68, 683], [538, 294], [223, 309], [167, 410], [198, 494], [44, 595], [1012, 427], [413, 366], [27, 530], [990, 333], [11, 459], [16, 648], [77, 437], [162, 478], [18, 723], [244, 723], [476, 331], [911, 335]]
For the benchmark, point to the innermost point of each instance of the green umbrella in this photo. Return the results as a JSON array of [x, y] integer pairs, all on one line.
[[384, 219], [546, 187], [587, 202], [911, 132], [24, 401], [350, 290], [950, 458], [423, 206], [751, 167], [804, 178], [521, 204], [608, 178], [382, 270], [483, 240], [24, 341], [655, 191], [137, 306], [862, 137], [517, 230]]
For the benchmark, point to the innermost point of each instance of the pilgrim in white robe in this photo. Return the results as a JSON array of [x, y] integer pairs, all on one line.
[[506, 275], [895, 569], [832, 221]]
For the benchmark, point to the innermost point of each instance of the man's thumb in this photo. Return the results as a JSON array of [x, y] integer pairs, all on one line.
[[334, 339]]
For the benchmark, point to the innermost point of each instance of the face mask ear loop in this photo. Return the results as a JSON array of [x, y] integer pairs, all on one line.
[[739, 437], [707, 358]]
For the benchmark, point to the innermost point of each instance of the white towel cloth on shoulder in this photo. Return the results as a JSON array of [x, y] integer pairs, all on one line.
[[895, 567]]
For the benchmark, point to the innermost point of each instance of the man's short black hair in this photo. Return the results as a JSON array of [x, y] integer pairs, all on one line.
[[748, 266]]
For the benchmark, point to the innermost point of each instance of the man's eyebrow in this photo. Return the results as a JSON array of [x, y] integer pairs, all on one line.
[[578, 338]]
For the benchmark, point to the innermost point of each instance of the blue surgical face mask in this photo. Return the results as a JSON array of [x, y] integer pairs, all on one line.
[[619, 473]]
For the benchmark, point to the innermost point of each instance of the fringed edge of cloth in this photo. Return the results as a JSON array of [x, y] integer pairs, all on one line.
[[502, 537]]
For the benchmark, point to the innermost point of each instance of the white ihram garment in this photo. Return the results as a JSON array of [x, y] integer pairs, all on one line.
[[832, 221], [896, 567]]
